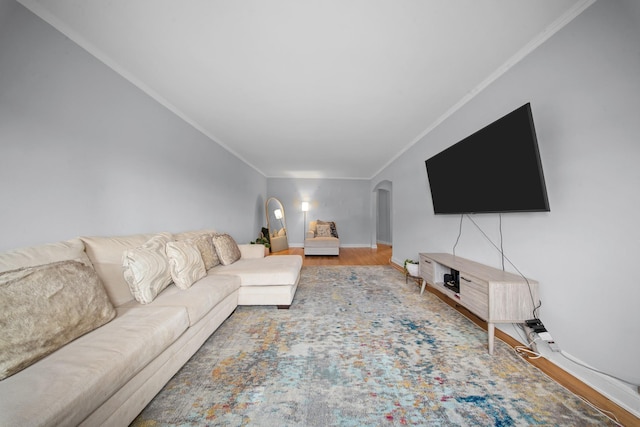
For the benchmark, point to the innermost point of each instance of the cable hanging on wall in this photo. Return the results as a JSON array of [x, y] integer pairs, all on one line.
[[500, 249]]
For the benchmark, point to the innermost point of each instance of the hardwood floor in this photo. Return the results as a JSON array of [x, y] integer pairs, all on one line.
[[348, 256]]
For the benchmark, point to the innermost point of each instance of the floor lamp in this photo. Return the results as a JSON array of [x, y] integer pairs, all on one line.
[[305, 208]]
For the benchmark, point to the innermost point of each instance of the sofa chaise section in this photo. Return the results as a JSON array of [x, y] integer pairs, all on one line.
[[271, 280]]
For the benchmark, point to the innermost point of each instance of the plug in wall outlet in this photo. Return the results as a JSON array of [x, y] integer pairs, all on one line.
[[531, 339], [545, 336], [553, 346]]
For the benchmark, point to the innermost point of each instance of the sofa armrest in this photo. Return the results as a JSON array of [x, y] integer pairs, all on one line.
[[251, 251], [310, 235]]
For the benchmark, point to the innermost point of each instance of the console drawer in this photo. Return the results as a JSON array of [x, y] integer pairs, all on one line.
[[474, 283], [427, 269], [476, 301]]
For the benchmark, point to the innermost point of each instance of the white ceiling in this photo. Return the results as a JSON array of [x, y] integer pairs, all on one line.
[[310, 88]]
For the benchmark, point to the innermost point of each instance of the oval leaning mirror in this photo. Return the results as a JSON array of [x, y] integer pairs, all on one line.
[[277, 225]]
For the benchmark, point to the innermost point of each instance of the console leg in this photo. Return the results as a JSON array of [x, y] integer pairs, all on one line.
[[491, 331], [424, 284]]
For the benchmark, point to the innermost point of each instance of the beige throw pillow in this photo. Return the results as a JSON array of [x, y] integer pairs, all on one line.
[[45, 307], [207, 251], [146, 268], [324, 230], [185, 263], [332, 226], [226, 248]]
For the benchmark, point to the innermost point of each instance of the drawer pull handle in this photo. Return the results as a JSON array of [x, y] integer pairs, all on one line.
[[465, 279]]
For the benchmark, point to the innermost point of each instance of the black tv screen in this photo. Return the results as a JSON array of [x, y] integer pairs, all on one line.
[[496, 169]]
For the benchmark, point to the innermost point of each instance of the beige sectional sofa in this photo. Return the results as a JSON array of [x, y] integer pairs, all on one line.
[[108, 375]]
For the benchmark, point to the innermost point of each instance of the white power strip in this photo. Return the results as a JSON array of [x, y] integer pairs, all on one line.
[[543, 336], [546, 336]]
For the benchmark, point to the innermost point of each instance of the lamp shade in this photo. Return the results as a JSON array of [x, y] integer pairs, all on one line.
[[305, 206]]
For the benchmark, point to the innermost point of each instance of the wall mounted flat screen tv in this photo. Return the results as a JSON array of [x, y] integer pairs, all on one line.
[[496, 169]]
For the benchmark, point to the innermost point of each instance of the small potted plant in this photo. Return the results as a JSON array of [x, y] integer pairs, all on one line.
[[411, 267]]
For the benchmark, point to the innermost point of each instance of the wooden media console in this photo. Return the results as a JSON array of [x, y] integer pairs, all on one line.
[[494, 295]]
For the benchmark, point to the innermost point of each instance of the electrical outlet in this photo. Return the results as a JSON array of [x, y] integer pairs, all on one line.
[[553, 346]]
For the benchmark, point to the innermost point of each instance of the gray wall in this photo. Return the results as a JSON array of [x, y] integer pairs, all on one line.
[[84, 152], [584, 88], [345, 201]]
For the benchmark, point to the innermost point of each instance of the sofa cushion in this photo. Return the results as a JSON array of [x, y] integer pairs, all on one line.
[[200, 299], [146, 268], [186, 235], [226, 248], [105, 254], [322, 242], [45, 307], [271, 270], [44, 254], [248, 250], [71, 382], [185, 263]]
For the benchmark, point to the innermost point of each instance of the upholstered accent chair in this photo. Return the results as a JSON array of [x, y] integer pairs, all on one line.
[[322, 239]]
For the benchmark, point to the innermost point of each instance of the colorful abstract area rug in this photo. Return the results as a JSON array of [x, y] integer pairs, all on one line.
[[360, 347]]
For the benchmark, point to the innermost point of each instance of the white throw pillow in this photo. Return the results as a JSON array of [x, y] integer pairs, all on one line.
[[146, 268], [185, 263]]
